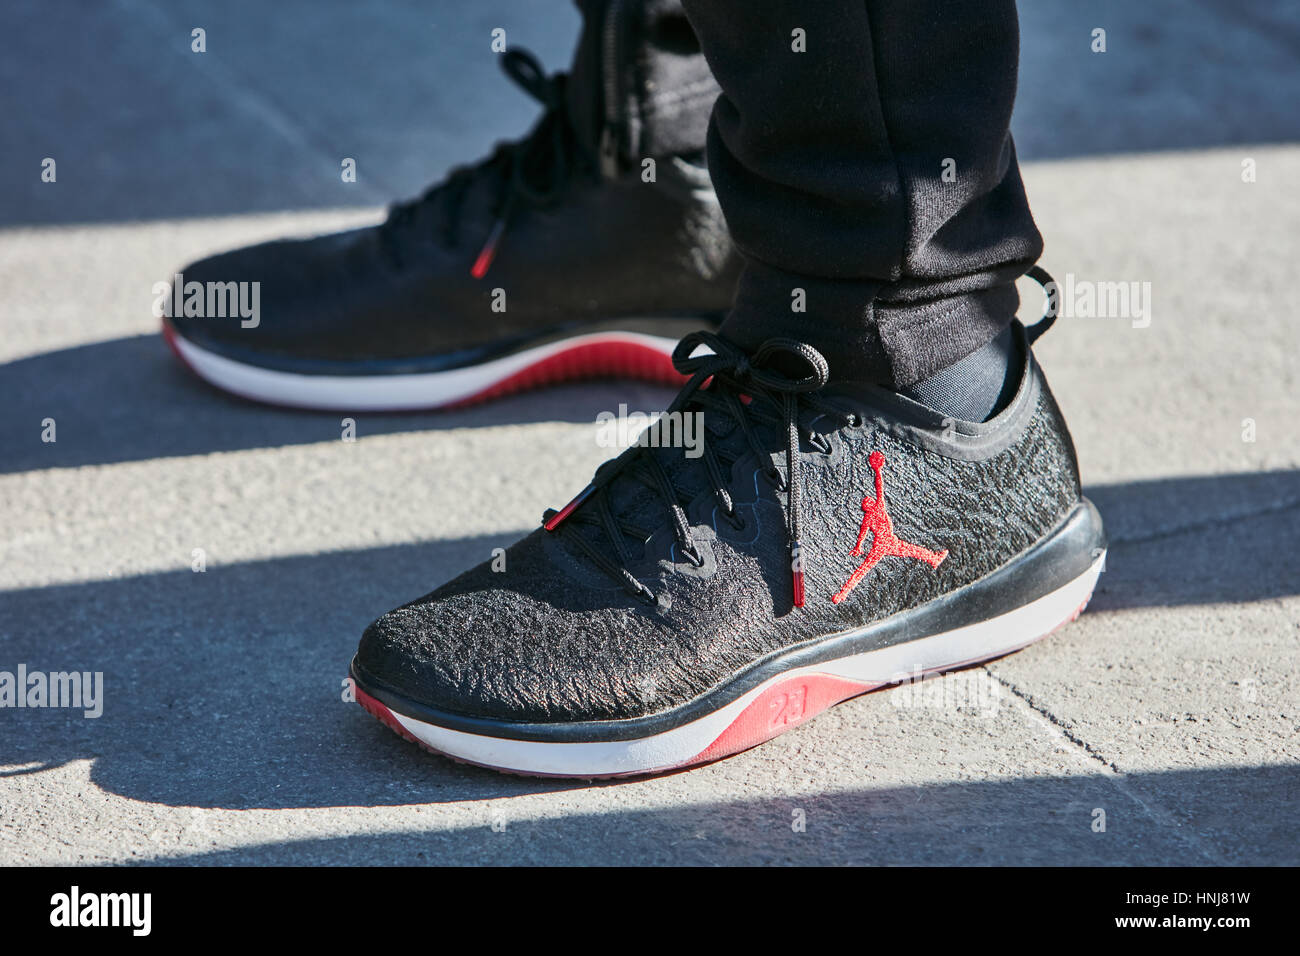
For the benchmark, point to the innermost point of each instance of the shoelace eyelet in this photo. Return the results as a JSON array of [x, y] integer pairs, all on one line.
[[646, 596], [781, 396], [821, 444]]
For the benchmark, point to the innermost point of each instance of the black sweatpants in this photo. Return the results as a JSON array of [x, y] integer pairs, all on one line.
[[861, 151]]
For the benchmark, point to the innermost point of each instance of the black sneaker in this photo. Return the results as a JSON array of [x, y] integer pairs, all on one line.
[[682, 609], [528, 268]]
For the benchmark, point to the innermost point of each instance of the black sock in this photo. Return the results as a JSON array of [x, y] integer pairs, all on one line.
[[977, 387]]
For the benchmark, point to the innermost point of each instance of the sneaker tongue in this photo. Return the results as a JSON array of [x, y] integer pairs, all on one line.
[[538, 151], [480, 187], [584, 87]]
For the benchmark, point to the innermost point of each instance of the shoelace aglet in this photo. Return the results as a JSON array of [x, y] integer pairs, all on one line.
[[489, 250], [553, 522], [796, 566]]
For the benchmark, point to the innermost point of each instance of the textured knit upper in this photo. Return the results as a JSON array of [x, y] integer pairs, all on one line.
[[552, 638]]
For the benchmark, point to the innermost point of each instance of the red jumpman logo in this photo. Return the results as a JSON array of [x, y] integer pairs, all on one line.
[[884, 543]]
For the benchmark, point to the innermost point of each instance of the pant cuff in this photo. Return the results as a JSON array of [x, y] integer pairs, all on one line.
[[866, 335], [639, 86]]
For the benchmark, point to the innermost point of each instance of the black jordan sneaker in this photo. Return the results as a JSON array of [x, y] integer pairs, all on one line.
[[533, 266], [680, 609]]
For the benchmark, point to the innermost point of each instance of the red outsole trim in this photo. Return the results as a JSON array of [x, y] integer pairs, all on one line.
[[169, 336], [783, 706], [385, 717], [625, 360], [594, 360]]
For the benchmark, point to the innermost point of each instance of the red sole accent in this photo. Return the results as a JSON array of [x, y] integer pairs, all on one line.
[[385, 716], [595, 360], [625, 360], [781, 707], [169, 336], [789, 703]]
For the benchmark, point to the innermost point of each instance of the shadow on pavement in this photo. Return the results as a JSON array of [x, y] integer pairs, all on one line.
[[128, 399], [143, 127], [224, 689], [1040, 821], [1206, 539]]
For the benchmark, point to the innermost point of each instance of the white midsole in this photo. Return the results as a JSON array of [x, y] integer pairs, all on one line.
[[365, 393], [974, 642]]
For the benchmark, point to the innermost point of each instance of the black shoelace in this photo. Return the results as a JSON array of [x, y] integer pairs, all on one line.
[[535, 169], [727, 382]]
